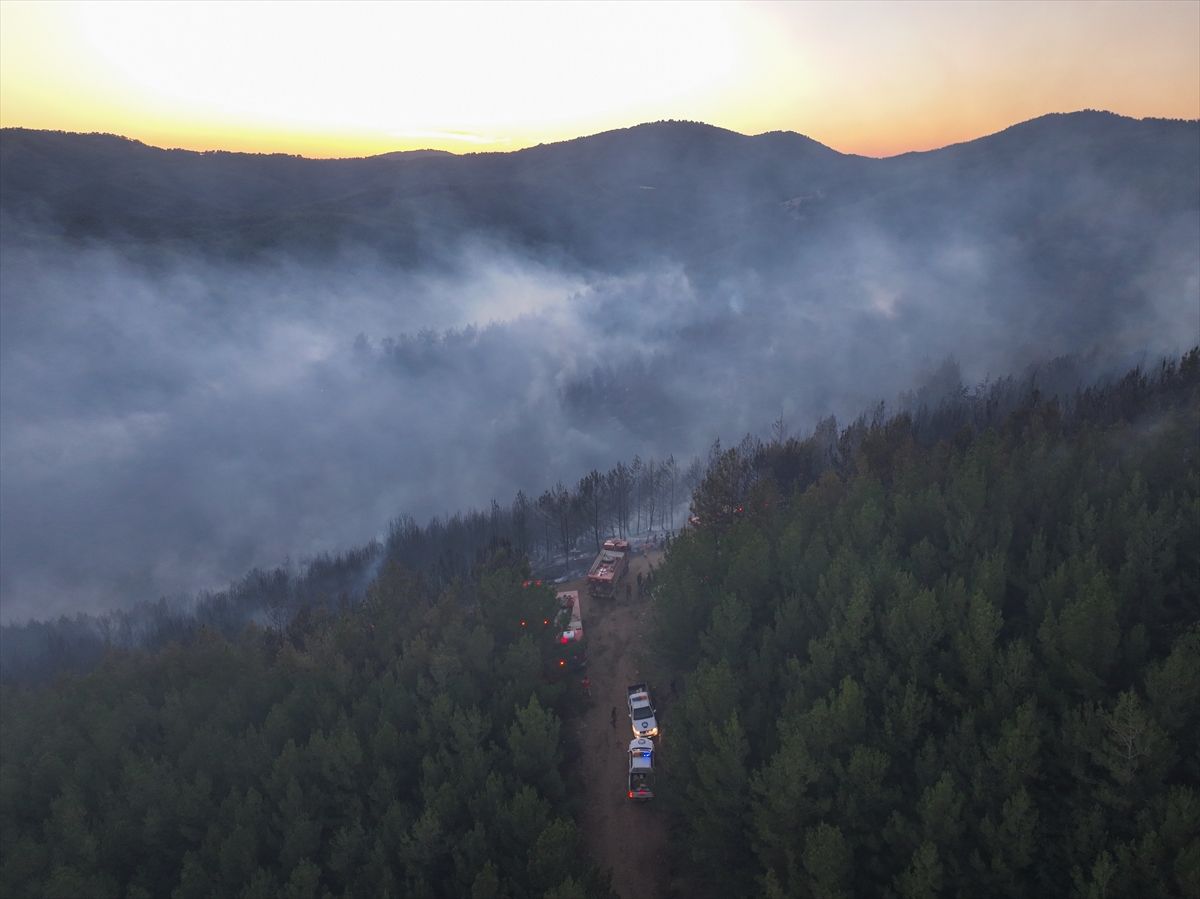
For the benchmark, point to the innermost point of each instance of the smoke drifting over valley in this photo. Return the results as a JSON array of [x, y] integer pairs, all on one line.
[[190, 387]]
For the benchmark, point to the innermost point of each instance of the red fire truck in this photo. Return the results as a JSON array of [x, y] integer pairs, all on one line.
[[608, 569]]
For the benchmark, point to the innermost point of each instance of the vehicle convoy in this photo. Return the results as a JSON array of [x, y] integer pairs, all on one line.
[[641, 712], [641, 768], [609, 567], [571, 645]]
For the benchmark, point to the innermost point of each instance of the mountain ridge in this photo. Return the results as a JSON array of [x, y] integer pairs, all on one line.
[[1093, 114]]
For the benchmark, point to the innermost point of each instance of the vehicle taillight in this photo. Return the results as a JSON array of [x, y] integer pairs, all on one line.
[[630, 795]]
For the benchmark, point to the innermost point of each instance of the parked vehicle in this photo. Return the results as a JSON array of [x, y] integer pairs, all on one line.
[[609, 567], [641, 711], [570, 640], [641, 769]]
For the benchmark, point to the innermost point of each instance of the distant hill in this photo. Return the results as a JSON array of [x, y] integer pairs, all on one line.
[[702, 196]]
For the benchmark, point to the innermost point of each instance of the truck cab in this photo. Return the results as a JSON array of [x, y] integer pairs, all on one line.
[[641, 711], [641, 769]]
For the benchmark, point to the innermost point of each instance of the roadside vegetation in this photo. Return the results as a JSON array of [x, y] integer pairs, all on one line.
[[400, 747], [956, 665]]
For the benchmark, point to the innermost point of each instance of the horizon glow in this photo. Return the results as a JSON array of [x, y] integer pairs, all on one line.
[[364, 78]]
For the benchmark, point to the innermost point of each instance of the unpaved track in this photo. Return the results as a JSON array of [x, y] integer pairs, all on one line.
[[629, 837]]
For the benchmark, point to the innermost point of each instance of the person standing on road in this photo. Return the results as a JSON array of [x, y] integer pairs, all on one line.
[[587, 686]]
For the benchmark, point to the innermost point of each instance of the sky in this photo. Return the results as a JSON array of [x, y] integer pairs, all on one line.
[[355, 79]]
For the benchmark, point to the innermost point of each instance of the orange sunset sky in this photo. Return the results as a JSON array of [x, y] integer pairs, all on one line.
[[346, 79]]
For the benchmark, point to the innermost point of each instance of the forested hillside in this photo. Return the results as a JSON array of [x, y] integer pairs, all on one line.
[[964, 666], [399, 748], [954, 651]]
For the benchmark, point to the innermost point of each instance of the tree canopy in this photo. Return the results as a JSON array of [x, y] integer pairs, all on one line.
[[958, 666], [395, 748]]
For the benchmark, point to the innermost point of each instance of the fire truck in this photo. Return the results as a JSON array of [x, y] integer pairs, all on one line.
[[570, 641], [608, 569]]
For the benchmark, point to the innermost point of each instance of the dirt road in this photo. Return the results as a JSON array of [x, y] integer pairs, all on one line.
[[630, 837]]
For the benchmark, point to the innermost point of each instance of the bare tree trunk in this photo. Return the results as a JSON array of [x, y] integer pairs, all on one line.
[[635, 475], [670, 471]]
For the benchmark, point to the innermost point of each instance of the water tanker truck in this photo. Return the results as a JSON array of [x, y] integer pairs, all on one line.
[[609, 567]]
